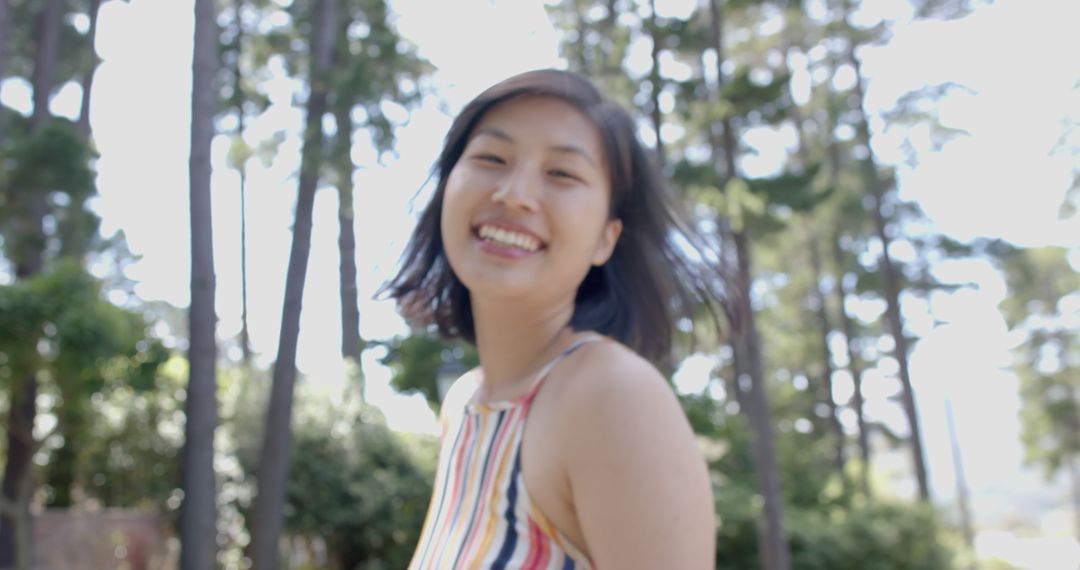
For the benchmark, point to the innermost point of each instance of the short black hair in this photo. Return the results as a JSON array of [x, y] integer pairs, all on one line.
[[661, 268]]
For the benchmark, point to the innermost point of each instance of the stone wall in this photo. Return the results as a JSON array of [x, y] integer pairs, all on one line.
[[102, 540]]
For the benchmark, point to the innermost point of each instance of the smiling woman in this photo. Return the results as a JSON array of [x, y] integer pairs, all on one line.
[[550, 243]]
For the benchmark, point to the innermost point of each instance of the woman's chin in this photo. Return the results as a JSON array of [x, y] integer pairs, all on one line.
[[501, 292]]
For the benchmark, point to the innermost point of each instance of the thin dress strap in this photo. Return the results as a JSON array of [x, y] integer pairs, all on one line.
[[547, 367]]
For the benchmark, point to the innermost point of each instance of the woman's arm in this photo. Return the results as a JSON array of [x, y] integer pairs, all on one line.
[[638, 482]]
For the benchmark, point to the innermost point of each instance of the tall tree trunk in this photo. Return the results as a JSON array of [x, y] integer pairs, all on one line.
[[241, 120], [1072, 459], [5, 39], [273, 469], [772, 543], [655, 86], [1074, 480], [821, 313], [847, 325], [351, 344], [858, 401], [88, 75], [48, 48], [15, 537], [962, 496], [245, 335], [824, 328], [198, 518], [585, 66], [609, 64], [18, 478], [891, 278], [62, 465]]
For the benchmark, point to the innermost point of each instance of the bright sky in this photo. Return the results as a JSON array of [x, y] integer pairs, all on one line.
[[1001, 181]]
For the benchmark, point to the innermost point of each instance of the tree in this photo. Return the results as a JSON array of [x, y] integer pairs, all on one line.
[[596, 41], [93, 346], [878, 185], [29, 262], [88, 75], [5, 35], [891, 278], [418, 361], [711, 108], [354, 486], [363, 75], [385, 77], [1041, 283], [274, 458], [351, 343], [238, 157], [656, 85], [795, 21], [198, 520], [748, 353], [245, 56], [824, 533], [847, 328]]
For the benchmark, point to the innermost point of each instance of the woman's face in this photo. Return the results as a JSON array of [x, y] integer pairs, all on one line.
[[525, 210]]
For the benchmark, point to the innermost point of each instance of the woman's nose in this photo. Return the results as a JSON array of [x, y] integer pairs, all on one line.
[[518, 189]]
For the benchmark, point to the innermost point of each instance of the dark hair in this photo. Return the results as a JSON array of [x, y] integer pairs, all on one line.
[[652, 276]]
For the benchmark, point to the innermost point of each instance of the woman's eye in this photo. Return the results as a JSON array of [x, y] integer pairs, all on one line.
[[563, 174], [494, 159]]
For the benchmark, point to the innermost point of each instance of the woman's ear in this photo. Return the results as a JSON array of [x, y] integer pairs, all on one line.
[[608, 238]]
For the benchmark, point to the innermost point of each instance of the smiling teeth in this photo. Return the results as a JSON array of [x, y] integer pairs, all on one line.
[[504, 237]]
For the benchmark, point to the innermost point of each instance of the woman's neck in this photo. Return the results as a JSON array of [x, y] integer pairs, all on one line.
[[514, 342]]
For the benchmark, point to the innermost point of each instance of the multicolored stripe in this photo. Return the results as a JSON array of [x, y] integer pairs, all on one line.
[[481, 516]]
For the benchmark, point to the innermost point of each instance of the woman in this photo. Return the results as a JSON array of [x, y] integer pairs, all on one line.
[[549, 243]]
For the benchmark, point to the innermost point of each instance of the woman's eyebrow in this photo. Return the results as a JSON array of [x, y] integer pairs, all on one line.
[[565, 148], [494, 132]]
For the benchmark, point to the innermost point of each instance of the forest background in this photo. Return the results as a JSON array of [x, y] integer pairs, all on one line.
[[805, 133]]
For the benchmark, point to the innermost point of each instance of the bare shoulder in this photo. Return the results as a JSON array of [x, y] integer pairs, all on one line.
[[609, 380], [459, 393], [639, 485]]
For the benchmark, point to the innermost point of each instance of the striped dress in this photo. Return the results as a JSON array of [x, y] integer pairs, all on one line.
[[481, 516]]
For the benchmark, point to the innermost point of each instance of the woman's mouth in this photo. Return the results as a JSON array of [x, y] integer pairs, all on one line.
[[505, 238]]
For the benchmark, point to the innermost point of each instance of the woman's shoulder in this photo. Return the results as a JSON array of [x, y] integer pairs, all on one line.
[[610, 382], [628, 449], [608, 366], [459, 393]]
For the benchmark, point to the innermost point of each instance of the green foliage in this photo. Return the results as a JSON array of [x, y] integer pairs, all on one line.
[[765, 102], [58, 326], [353, 483], [919, 107], [416, 361], [597, 38], [763, 204], [943, 9], [76, 56], [1038, 279], [65, 308], [1041, 305], [794, 190], [52, 162], [875, 536], [1050, 416], [376, 67], [130, 454], [365, 491], [53, 159], [826, 530]]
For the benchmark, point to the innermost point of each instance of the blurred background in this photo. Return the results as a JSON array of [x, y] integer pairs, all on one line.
[[199, 200]]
